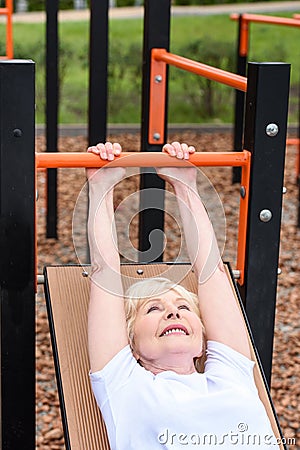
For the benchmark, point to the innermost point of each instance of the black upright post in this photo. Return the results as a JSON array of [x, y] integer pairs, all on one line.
[[17, 250], [239, 105], [98, 71], [156, 35], [51, 111], [265, 136]]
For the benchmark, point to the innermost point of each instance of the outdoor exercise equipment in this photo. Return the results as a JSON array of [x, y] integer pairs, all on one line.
[[8, 12], [18, 274], [244, 21]]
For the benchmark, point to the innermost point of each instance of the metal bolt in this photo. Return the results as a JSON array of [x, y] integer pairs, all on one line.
[[284, 190], [156, 136], [272, 129], [85, 274], [158, 79], [265, 215], [140, 271], [17, 132], [243, 191]]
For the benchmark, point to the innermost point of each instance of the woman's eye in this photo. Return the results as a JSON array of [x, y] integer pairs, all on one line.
[[152, 308], [184, 307]]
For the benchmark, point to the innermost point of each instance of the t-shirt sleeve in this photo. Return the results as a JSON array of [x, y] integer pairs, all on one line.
[[225, 363], [113, 376]]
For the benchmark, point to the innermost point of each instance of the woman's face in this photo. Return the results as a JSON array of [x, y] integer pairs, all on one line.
[[167, 328]]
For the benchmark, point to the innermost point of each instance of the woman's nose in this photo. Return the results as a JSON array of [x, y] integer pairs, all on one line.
[[173, 315]]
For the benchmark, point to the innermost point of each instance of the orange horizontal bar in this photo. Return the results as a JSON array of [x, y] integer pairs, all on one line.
[[4, 11], [141, 159], [293, 141], [273, 20], [212, 73]]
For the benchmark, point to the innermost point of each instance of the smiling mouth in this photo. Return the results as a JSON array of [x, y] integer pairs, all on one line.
[[174, 330]]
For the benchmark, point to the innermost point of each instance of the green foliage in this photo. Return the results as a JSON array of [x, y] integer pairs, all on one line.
[[210, 40], [205, 97], [125, 2], [39, 5]]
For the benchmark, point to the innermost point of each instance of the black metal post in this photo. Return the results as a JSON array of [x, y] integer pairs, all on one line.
[[98, 71], [239, 105], [52, 94], [17, 249], [156, 35], [265, 136]]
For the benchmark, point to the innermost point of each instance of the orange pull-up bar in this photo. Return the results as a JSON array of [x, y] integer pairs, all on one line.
[[140, 159], [8, 11], [212, 73], [258, 18], [158, 159]]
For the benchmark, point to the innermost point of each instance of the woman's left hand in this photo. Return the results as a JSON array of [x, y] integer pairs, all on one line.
[[185, 175]]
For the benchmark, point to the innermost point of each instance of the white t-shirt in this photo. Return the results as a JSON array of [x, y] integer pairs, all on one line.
[[219, 409]]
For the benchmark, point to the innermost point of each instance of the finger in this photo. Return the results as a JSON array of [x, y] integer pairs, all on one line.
[[168, 148], [109, 151], [102, 151], [185, 150], [93, 149], [192, 149], [178, 149], [117, 149]]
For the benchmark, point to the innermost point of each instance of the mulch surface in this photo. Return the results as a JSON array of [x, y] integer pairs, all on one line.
[[285, 375]]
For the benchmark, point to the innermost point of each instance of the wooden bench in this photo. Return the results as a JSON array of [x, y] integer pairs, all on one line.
[[67, 297]]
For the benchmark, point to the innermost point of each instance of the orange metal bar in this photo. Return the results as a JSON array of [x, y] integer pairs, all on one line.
[[9, 30], [273, 20], [212, 73], [155, 159], [8, 11], [243, 220], [140, 159], [158, 75]]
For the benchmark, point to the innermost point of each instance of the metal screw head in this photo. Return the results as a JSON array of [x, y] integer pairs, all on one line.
[[243, 191], [17, 132], [156, 136], [158, 79], [85, 274], [272, 129], [265, 215], [140, 271]]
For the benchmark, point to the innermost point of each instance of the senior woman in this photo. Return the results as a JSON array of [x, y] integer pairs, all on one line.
[[144, 345]]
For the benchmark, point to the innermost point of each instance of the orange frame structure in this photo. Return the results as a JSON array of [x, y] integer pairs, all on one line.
[[257, 18], [155, 159], [8, 12]]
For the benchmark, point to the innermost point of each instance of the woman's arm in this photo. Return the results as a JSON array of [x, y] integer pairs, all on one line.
[[220, 313], [107, 333]]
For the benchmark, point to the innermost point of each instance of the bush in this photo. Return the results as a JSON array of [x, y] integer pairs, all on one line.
[[40, 5], [205, 97]]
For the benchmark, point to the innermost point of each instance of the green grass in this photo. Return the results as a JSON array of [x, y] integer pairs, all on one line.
[[214, 36]]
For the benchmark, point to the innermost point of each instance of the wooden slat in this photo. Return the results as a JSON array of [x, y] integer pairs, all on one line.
[[67, 292]]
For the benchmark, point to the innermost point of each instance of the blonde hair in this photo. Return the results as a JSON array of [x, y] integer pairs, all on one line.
[[142, 290]]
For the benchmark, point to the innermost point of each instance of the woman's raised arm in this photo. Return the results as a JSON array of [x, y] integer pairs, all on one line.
[[220, 313], [107, 333]]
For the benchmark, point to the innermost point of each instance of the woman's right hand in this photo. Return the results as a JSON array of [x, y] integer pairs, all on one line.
[[107, 176], [175, 175]]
